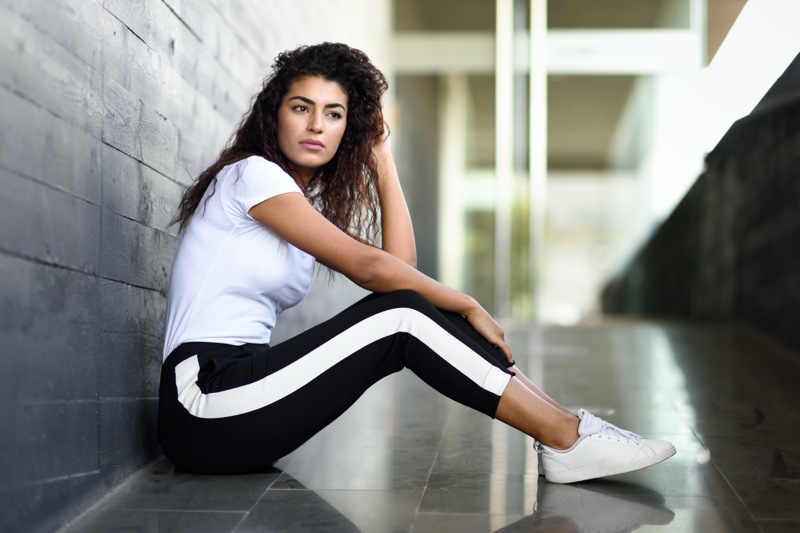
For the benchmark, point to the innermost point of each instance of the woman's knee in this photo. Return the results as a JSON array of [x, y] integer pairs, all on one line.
[[408, 298]]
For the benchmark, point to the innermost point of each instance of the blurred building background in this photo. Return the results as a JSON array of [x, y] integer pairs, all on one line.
[[596, 154], [543, 146]]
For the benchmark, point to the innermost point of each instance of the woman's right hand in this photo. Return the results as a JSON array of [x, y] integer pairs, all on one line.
[[487, 326]]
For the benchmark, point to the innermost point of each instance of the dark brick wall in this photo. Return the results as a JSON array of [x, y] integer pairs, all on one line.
[[730, 250], [107, 107]]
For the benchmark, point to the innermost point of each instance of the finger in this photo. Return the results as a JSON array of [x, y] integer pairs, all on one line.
[[501, 344], [506, 350]]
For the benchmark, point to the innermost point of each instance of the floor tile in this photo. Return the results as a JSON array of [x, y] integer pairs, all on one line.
[[375, 511], [768, 492], [452, 523], [125, 521], [779, 526], [336, 477], [762, 450], [403, 458], [162, 487], [477, 492], [706, 514], [474, 443], [295, 511]]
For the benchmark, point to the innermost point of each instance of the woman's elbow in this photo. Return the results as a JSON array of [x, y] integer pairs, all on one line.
[[366, 270]]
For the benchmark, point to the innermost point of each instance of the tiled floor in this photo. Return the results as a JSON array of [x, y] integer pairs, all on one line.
[[405, 459]]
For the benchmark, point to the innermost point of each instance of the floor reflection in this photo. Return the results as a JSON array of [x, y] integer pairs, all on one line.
[[595, 506]]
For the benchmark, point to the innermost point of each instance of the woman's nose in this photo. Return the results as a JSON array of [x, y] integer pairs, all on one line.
[[315, 123]]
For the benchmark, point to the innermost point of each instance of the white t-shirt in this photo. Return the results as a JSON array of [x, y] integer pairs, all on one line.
[[232, 276]]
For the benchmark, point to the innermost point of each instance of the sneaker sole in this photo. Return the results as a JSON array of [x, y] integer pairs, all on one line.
[[574, 476]]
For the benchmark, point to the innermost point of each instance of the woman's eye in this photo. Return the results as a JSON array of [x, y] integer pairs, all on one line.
[[336, 115], [300, 108]]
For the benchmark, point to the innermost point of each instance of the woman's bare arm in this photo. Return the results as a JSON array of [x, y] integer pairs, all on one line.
[[294, 219], [397, 232]]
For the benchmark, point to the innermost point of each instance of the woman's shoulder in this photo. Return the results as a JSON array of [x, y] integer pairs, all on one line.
[[254, 169], [254, 179], [261, 164]]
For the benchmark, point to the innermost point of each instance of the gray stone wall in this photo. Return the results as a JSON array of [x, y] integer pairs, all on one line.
[[107, 109], [730, 250]]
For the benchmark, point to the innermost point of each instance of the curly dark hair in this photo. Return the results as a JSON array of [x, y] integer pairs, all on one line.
[[344, 189]]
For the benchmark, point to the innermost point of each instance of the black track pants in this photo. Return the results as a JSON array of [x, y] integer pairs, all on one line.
[[237, 409]]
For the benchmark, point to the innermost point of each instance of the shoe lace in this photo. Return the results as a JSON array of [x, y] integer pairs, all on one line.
[[613, 432], [597, 425]]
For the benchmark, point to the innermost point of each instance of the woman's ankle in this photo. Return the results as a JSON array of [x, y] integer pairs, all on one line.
[[563, 438]]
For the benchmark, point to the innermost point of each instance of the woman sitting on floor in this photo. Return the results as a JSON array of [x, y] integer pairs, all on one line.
[[304, 180]]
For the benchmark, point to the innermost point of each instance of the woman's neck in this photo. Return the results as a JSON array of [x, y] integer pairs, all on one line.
[[301, 178]]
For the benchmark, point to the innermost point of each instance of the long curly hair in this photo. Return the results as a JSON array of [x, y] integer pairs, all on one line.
[[344, 189]]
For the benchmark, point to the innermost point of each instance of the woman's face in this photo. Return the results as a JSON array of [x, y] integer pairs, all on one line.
[[311, 122]]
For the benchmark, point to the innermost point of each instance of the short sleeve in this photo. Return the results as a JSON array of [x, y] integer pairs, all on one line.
[[257, 180]]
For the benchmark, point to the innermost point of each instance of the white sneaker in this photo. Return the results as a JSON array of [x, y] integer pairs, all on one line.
[[602, 449], [537, 447]]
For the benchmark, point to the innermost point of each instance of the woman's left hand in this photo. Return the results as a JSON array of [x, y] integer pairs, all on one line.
[[383, 154], [397, 233], [487, 326]]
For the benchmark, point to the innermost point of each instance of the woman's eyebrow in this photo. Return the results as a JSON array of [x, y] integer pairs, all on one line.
[[303, 99], [309, 101]]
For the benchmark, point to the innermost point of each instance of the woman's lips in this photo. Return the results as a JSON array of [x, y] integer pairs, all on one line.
[[312, 144]]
